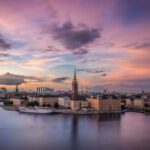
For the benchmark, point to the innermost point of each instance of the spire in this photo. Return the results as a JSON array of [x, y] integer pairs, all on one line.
[[16, 88], [75, 74], [74, 87]]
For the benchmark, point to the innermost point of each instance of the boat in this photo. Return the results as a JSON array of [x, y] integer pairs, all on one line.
[[35, 110]]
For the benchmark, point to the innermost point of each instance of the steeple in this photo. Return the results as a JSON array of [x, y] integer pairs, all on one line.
[[17, 88], [74, 87], [75, 74]]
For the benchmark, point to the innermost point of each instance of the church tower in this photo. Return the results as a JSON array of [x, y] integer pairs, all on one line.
[[17, 89], [74, 87]]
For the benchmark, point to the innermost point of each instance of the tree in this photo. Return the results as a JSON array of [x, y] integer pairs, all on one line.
[[48, 105]]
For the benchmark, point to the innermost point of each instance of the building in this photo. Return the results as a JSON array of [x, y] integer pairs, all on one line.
[[17, 102], [139, 103], [3, 90], [45, 90], [64, 102], [75, 104], [74, 87], [44, 100], [129, 102], [94, 103], [17, 88], [105, 103]]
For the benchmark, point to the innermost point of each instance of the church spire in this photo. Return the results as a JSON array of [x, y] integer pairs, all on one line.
[[17, 89], [74, 87], [75, 74]]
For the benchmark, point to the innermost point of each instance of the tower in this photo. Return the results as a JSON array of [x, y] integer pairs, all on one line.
[[17, 89], [74, 87]]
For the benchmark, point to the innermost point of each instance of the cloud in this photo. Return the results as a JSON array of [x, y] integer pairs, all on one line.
[[73, 37], [60, 80], [90, 70], [80, 52], [4, 55], [142, 45], [3, 43], [12, 79], [104, 74]]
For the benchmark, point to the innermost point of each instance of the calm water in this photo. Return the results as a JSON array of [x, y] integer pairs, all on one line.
[[130, 131]]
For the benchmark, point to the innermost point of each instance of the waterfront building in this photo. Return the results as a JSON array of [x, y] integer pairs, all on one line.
[[17, 102], [94, 103], [105, 103], [48, 101], [64, 102], [44, 100], [139, 103]]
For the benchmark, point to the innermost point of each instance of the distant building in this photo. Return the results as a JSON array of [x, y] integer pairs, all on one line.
[[139, 103], [3, 90], [44, 100], [17, 102], [105, 103], [64, 102], [45, 90]]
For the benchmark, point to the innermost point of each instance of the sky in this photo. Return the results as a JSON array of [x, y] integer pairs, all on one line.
[[107, 41]]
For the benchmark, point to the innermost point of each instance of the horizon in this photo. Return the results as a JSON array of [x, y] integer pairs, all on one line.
[[108, 45]]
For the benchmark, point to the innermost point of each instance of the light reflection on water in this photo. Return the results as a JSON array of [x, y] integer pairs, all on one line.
[[129, 131]]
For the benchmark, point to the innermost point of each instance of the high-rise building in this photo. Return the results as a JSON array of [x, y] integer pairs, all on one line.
[[74, 87]]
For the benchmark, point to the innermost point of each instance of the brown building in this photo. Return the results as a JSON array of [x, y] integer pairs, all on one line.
[[44, 100], [17, 102], [105, 104]]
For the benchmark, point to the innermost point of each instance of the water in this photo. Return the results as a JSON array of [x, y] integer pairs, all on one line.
[[130, 131]]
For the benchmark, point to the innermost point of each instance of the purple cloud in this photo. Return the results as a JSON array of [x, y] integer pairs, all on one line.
[[73, 37]]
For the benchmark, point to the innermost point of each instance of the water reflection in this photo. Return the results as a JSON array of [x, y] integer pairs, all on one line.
[[74, 132]]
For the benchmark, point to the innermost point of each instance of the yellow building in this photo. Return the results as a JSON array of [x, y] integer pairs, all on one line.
[[17, 102], [139, 103], [84, 104], [48, 101], [108, 104], [75, 105], [94, 103]]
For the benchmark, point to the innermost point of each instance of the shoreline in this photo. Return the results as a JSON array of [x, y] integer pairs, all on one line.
[[64, 111]]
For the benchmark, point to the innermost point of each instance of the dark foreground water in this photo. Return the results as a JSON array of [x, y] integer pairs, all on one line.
[[130, 131]]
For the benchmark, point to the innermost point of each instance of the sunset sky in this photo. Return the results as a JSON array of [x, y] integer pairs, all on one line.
[[108, 41]]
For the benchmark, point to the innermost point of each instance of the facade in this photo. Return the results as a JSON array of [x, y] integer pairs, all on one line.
[[94, 103], [130, 102], [84, 104], [139, 103], [64, 102], [45, 90], [107, 105], [17, 102], [75, 105], [44, 100]]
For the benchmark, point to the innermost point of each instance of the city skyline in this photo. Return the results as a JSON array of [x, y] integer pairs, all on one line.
[[41, 42]]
